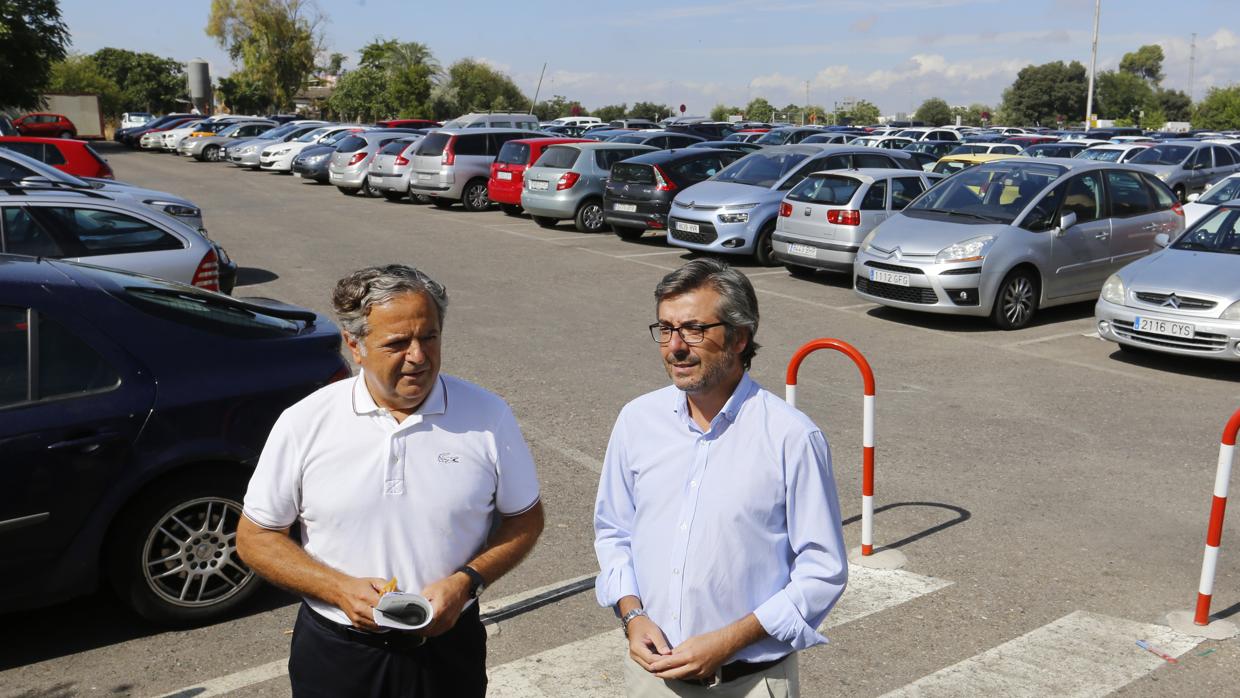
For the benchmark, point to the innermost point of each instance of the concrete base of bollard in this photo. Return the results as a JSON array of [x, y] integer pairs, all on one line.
[[1182, 622], [884, 559]]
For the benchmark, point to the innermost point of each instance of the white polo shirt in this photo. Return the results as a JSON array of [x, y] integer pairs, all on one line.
[[376, 498]]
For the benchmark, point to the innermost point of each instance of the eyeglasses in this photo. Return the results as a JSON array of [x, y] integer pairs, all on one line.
[[690, 334]]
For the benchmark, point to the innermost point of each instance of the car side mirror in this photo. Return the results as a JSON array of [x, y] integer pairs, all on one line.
[[1193, 197], [1162, 239], [1066, 221]]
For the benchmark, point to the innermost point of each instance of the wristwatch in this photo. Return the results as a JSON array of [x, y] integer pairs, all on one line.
[[628, 618], [476, 582]]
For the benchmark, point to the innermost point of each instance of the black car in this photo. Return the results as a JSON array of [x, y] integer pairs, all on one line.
[[658, 139], [1062, 149], [130, 136], [739, 146], [709, 130], [132, 413], [788, 135], [640, 190]]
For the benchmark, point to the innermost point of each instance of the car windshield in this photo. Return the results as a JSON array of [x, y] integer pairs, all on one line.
[[231, 129], [1217, 232], [313, 135], [760, 169], [336, 137], [774, 137], [279, 131], [630, 138], [1105, 155], [990, 193], [834, 190], [1163, 155], [1221, 193]]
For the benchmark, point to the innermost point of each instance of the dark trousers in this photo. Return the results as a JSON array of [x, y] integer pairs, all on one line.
[[331, 661]]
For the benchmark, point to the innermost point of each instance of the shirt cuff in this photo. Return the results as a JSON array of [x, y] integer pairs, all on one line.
[[614, 585], [782, 621]]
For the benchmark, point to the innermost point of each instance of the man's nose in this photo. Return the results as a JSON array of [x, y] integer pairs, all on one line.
[[414, 354]]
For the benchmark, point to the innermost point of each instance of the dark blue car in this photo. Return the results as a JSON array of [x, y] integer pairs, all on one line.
[[132, 412]]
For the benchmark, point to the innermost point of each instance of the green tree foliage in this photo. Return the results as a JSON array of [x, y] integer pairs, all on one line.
[[394, 79], [935, 112], [80, 74], [759, 109], [33, 38], [1042, 93], [1121, 95], [721, 112], [362, 95], [864, 112], [474, 86], [242, 95], [1174, 104], [275, 40], [1220, 110], [334, 64], [652, 111], [970, 115], [611, 112], [558, 106], [147, 82], [1145, 63]]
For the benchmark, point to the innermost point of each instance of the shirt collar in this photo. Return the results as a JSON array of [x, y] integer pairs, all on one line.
[[364, 403], [731, 408]]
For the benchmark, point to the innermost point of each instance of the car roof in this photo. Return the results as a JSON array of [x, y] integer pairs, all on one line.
[[39, 139], [869, 174], [466, 131], [21, 269], [977, 157], [602, 145], [659, 157]]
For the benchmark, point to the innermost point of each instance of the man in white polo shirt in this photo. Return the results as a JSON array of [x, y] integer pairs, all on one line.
[[399, 473]]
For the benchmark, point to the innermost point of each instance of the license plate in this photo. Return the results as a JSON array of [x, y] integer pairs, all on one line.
[[627, 208], [687, 227], [506, 176], [888, 277], [424, 176], [1183, 330], [803, 250], [538, 185]]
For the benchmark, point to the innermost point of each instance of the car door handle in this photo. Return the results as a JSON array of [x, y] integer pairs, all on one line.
[[85, 444], [1102, 236], [1150, 226]]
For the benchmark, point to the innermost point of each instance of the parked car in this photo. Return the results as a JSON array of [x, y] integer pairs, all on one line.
[[823, 219], [124, 469], [750, 135], [408, 123], [706, 130], [1007, 238], [986, 149], [1062, 149], [75, 157], [743, 148], [312, 162], [128, 136], [453, 165], [925, 160], [831, 137], [6, 126], [1113, 152], [928, 133], [606, 133], [935, 148], [658, 139], [278, 157], [151, 138], [951, 164], [632, 123], [526, 122], [46, 125], [154, 140], [1182, 299], [1225, 190], [389, 169], [1023, 142], [248, 153], [1188, 166], [567, 182], [507, 177], [131, 119], [892, 142], [349, 168], [734, 212], [639, 192], [88, 226], [788, 135], [210, 148]]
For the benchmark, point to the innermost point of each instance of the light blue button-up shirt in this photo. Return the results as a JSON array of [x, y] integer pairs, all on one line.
[[708, 527]]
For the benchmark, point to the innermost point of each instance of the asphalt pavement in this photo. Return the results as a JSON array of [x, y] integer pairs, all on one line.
[[1050, 493]]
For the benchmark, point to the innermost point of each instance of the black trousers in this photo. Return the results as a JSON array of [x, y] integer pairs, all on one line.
[[331, 661]]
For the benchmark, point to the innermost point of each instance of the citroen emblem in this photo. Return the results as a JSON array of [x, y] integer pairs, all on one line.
[[1172, 301], [896, 253]]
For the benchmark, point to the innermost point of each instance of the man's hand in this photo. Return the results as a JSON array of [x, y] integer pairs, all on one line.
[[696, 658], [357, 596], [448, 597], [646, 642]]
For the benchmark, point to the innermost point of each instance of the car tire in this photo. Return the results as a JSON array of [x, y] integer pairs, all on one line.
[[348, 192], [422, 198], [474, 196], [393, 195], [143, 554], [629, 234], [369, 189], [510, 209], [799, 271], [65, 135], [545, 222], [442, 203], [589, 218], [1180, 194], [1016, 301], [764, 248], [211, 153]]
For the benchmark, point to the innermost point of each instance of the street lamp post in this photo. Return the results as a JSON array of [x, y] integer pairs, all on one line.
[[1093, 61]]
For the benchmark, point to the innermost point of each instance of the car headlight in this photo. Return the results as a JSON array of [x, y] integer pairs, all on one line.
[[972, 250], [281, 151], [1232, 312], [173, 208], [734, 218], [865, 241], [250, 149], [1113, 290]]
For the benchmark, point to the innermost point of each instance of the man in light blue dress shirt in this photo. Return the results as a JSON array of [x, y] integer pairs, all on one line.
[[717, 525]]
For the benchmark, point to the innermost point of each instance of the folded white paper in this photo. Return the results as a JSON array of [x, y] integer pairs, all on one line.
[[403, 610]]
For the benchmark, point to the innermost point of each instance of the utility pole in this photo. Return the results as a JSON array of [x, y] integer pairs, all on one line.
[[1192, 64], [1093, 62], [805, 108], [536, 89]]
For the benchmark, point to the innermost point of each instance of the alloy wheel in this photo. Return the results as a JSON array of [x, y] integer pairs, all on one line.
[[592, 216], [190, 557], [477, 197], [1017, 301]]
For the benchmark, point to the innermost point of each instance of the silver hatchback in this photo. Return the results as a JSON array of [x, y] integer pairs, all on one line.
[[1011, 236], [349, 168], [390, 167], [568, 182]]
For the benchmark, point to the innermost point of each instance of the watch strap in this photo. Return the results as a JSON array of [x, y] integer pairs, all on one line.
[[476, 581], [628, 618]]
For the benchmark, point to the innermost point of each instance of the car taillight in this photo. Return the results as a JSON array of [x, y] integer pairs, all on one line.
[[844, 217], [661, 181], [207, 275], [785, 209], [1177, 209], [357, 157], [567, 180], [449, 152], [402, 160]]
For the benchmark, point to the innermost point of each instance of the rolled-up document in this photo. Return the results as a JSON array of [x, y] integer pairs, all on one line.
[[402, 610]]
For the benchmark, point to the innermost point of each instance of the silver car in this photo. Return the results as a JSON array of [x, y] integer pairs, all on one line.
[[453, 165], [1011, 236], [350, 164], [823, 220], [1184, 299], [248, 153], [1188, 166], [1112, 152], [390, 167], [211, 148], [568, 180]]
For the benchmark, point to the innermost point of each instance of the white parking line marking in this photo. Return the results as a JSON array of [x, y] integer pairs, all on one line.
[[233, 682], [581, 237], [569, 452], [858, 305], [1049, 338], [1081, 655], [648, 254], [753, 274], [593, 667]]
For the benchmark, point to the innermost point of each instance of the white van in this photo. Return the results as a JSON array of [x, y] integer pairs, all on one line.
[[527, 122], [577, 121]]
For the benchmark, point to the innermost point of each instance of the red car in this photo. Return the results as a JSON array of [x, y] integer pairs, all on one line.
[[75, 157], [1026, 141], [408, 123], [44, 124], [508, 170]]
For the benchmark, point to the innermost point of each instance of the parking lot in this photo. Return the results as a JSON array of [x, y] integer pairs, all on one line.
[[1049, 492]]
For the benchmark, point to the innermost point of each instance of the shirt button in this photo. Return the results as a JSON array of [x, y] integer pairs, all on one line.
[[675, 617], [684, 527], [693, 483], [676, 571]]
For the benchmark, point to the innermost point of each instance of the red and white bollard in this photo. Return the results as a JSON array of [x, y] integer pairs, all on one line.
[[1201, 624], [884, 559]]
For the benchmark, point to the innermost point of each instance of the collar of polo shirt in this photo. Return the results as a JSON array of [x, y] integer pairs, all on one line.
[[364, 402]]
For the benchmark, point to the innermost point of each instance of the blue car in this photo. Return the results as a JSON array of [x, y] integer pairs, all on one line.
[[132, 412]]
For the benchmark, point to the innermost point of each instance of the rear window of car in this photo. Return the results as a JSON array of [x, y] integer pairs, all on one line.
[[513, 153], [558, 157], [833, 190], [632, 173], [606, 158], [351, 144], [394, 148], [433, 145]]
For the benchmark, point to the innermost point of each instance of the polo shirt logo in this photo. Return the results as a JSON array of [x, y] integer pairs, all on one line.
[[394, 487], [449, 458]]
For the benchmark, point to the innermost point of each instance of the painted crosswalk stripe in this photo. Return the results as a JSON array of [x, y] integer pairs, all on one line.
[[592, 668], [1081, 655]]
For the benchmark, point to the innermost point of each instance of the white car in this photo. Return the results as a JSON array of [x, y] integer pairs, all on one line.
[[930, 133], [278, 157], [1222, 191], [170, 139], [135, 118], [1113, 152]]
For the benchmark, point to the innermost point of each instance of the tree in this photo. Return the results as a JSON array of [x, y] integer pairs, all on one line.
[[1042, 93], [759, 109], [1121, 95], [33, 37], [650, 110], [242, 95], [1145, 63], [611, 112], [970, 115], [334, 64], [80, 74], [1220, 110], [276, 41], [362, 95], [721, 112], [864, 112], [1175, 105], [558, 106], [934, 112], [475, 86], [147, 82]]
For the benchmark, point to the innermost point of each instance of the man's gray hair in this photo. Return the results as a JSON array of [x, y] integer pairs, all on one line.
[[738, 304], [356, 293]]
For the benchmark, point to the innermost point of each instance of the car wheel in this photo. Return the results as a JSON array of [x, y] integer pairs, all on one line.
[[348, 192], [1016, 301], [173, 556], [589, 218], [474, 197], [211, 153], [763, 248], [369, 189], [422, 199], [65, 135], [799, 271], [545, 221], [1180, 194], [393, 195], [442, 203], [510, 209], [628, 233]]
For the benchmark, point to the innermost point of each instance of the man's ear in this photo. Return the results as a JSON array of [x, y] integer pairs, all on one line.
[[741, 340], [355, 347]]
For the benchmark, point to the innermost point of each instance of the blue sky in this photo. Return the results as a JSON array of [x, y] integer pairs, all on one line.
[[894, 53]]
